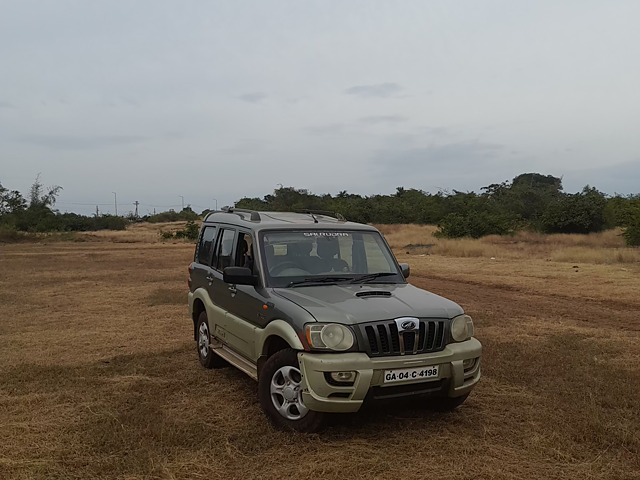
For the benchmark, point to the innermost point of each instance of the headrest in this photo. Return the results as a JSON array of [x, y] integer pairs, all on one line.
[[328, 248]]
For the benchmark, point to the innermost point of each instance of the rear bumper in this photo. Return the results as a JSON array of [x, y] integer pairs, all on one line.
[[453, 379]]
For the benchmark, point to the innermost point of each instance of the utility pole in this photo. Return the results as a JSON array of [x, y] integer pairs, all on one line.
[[97, 212], [216, 200], [115, 202], [136, 203], [182, 201]]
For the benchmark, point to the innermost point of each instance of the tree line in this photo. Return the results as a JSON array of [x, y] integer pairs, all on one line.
[[36, 213], [531, 201]]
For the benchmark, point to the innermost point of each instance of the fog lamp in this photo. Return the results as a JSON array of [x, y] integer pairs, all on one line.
[[468, 363], [343, 377]]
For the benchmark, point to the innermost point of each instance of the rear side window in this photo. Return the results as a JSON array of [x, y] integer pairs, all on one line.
[[205, 247], [224, 255]]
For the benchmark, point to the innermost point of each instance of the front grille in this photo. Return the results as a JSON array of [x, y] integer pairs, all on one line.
[[383, 339]]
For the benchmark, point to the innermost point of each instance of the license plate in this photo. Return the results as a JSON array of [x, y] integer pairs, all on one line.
[[406, 374]]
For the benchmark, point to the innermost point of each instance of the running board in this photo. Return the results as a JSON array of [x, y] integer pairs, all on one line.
[[235, 359]]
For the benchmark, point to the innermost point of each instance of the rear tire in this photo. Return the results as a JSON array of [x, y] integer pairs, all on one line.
[[206, 355], [280, 394]]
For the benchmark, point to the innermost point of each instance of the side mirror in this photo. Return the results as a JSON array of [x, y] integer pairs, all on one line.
[[239, 276], [406, 271]]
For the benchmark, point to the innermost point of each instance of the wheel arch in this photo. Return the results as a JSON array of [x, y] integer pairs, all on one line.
[[198, 308], [277, 336]]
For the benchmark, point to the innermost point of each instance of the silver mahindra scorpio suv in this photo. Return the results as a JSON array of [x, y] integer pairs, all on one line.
[[319, 312]]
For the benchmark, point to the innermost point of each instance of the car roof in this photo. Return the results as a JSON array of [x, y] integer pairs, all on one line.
[[256, 221]]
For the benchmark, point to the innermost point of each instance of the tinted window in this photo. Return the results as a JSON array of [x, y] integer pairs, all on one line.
[[244, 251], [225, 249], [205, 247], [290, 256]]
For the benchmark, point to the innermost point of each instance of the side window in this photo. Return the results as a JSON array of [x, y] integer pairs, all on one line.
[[205, 247], [224, 255], [376, 259], [244, 251]]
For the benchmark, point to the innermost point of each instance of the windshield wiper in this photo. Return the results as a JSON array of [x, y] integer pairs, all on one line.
[[371, 276], [318, 280]]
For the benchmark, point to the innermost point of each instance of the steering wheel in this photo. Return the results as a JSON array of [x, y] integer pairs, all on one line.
[[281, 267], [341, 266]]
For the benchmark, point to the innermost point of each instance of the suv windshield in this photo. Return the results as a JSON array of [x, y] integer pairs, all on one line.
[[321, 257]]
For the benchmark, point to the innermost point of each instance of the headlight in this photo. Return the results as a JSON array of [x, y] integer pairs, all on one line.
[[329, 336], [461, 328]]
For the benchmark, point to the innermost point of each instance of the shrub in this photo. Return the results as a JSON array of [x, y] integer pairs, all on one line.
[[110, 222], [173, 216], [190, 232], [475, 225], [631, 234], [9, 234]]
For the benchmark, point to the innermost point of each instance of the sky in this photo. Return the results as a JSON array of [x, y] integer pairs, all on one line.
[[202, 103]]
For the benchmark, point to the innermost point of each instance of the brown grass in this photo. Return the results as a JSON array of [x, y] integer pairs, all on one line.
[[100, 378], [137, 233], [599, 248], [166, 296]]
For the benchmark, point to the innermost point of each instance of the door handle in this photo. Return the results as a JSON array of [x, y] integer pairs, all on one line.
[[233, 289]]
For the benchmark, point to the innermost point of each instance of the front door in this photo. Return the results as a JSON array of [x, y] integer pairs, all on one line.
[[242, 303]]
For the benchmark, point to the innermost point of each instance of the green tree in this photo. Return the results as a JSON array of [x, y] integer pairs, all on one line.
[[582, 212], [11, 201], [40, 197], [526, 196]]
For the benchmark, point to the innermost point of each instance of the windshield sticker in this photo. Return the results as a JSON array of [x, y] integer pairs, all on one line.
[[326, 234]]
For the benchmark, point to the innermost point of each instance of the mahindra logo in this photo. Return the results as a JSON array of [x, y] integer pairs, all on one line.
[[406, 324]]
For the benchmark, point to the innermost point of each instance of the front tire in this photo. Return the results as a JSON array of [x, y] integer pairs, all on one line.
[[207, 357], [280, 394]]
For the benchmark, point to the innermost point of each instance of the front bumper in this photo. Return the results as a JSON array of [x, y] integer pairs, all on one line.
[[452, 381]]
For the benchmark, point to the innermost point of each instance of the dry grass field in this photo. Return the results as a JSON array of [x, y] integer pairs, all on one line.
[[99, 376]]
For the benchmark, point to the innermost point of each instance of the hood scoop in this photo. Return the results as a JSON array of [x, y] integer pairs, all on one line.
[[373, 293]]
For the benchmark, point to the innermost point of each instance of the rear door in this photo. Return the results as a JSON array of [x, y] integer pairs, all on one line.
[[201, 267], [218, 290]]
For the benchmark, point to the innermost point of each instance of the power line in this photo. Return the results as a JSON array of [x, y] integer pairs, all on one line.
[[76, 203], [159, 206], [120, 204]]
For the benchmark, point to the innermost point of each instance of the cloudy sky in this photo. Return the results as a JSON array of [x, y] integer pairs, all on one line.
[[217, 100]]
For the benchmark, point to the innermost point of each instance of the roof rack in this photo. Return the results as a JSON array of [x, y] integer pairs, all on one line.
[[326, 213], [254, 216]]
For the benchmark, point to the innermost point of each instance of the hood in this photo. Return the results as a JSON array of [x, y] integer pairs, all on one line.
[[352, 304]]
